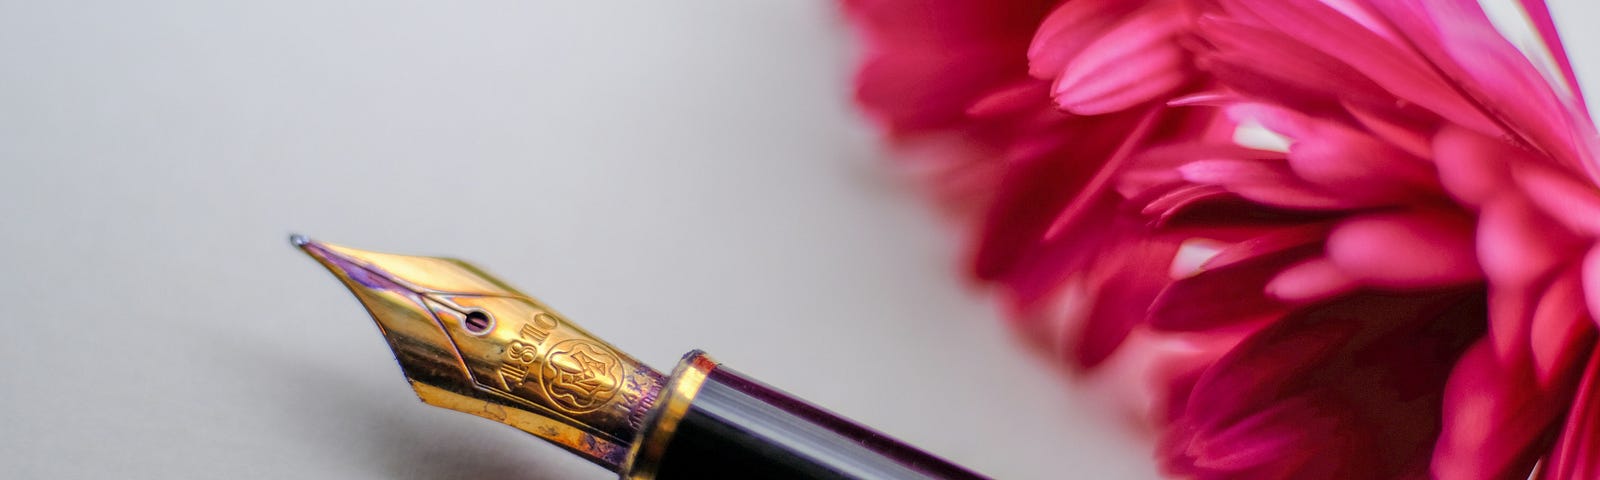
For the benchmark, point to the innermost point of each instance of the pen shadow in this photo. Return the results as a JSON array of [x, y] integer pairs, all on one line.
[[392, 443]]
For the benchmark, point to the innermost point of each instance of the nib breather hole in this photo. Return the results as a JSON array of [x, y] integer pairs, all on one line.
[[477, 322]]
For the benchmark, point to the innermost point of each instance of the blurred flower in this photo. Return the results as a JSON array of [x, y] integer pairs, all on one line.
[[951, 81], [1365, 231]]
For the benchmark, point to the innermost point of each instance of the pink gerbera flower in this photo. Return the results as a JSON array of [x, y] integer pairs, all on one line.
[[1338, 239]]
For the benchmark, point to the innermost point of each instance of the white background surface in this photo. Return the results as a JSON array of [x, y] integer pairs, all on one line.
[[672, 175]]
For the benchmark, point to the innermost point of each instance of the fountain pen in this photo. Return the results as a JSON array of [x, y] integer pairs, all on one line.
[[471, 343]]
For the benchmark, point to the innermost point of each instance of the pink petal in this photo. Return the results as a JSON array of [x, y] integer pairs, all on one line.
[[1204, 99], [1521, 252], [1473, 167], [1415, 250], [1010, 100], [1576, 455], [1311, 280], [1281, 431], [1132, 64], [1237, 274], [1297, 72], [1102, 184], [1411, 135], [1493, 418], [1342, 159], [1068, 30], [1266, 182], [1042, 267], [901, 24], [1518, 245], [1499, 77], [1027, 201], [1153, 371], [1591, 281], [1171, 202], [1282, 121], [1539, 14], [1040, 183], [896, 86], [1574, 202], [1511, 310], [1274, 241], [1561, 332], [1397, 68], [1229, 294], [1132, 276], [1358, 11], [1339, 369]]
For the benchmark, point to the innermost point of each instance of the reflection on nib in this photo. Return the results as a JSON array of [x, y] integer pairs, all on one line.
[[298, 240], [471, 343]]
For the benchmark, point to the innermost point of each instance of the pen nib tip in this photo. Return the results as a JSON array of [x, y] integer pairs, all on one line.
[[299, 240]]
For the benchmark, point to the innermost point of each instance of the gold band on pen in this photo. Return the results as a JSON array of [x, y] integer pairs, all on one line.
[[661, 423]]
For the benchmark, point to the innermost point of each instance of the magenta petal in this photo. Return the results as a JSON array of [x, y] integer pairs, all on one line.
[[1207, 99], [1591, 281], [1131, 277], [1517, 244], [1267, 182], [1561, 330], [1416, 250], [1018, 98], [1397, 68], [1576, 455], [1510, 313], [1499, 77], [1227, 294], [1240, 274], [1414, 137], [1539, 14], [1494, 416], [1338, 368], [1267, 63], [1047, 183], [1278, 240], [1574, 202], [1341, 159], [1171, 202], [1042, 268], [1311, 280], [1471, 166], [896, 87], [1279, 432], [1102, 185], [1069, 29], [1283, 121], [1132, 64]]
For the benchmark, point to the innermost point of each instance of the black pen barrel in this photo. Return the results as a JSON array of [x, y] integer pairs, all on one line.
[[713, 422]]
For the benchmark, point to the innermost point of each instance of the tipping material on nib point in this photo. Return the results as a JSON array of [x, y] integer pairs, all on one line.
[[469, 342]]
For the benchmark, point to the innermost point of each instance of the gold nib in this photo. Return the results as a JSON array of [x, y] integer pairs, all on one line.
[[469, 342]]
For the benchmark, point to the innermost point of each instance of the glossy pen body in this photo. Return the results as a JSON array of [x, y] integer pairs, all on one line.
[[732, 426]]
